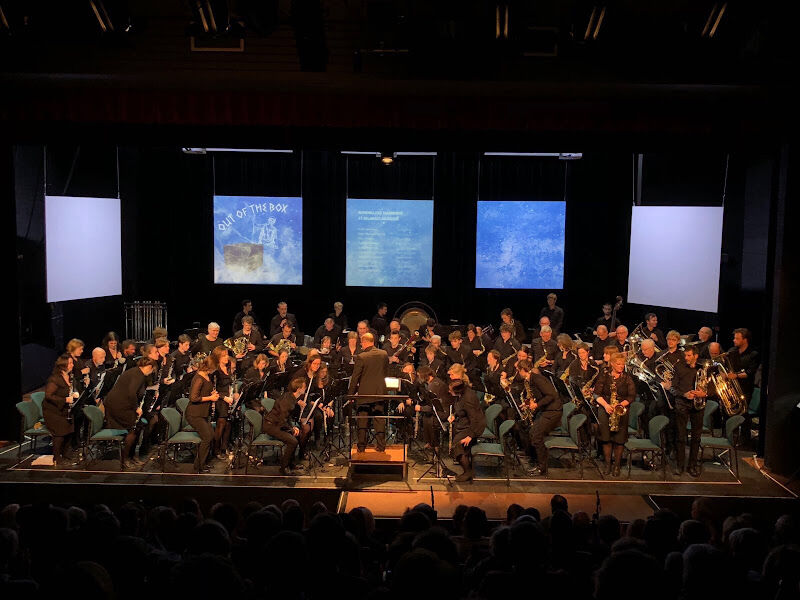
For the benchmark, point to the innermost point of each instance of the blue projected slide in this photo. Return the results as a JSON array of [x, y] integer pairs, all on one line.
[[389, 243], [520, 245], [258, 239]]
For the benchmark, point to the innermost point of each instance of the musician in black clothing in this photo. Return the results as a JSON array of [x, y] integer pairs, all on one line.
[[565, 355], [606, 319], [328, 328], [582, 371], [619, 338], [80, 370], [225, 378], [431, 329], [181, 368], [545, 403], [369, 379], [256, 375], [467, 421], [544, 349], [652, 331], [111, 346], [348, 353], [673, 353], [97, 369], [58, 397], [285, 338], [398, 354], [338, 316], [554, 313], [123, 406], [744, 361], [328, 352], [202, 394], [601, 340], [432, 396], [682, 388], [461, 353], [506, 344], [492, 376], [255, 342], [395, 325], [614, 388], [128, 349], [517, 329], [282, 318], [704, 335], [430, 358], [277, 424], [379, 322], [247, 311], [207, 342]]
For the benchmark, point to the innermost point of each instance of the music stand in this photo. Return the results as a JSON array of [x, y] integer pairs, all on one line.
[[246, 393], [363, 399]]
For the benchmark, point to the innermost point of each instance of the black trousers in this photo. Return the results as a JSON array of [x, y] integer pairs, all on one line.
[[290, 442], [543, 425], [204, 429], [363, 420], [685, 413]]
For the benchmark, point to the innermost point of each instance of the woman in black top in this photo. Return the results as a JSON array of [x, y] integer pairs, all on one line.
[[277, 424], [58, 396], [201, 395], [255, 376], [225, 378], [347, 354], [123, 405], [617, 385], [113, 352], [565, 355]]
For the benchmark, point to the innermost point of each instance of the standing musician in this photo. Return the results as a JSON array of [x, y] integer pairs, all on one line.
[[517, 329], [467, 421], [582, 371], [673, 354], [398, 355], [224, 379], [207, 342], [683, 389], [614, 389], [601, 340], [123, 406], [277, 424], [744, 361], [181, 367], [111, 345], [348, 353], [554, 313], [369, 378], [565, 355], [284, 338], [256, 375], [544, 348], [607, 317], [329, 328], [283, 318], [379, 322], [58, 397], [433, 396], [247, 311], [704, 335], [80, 370], [506, 344], [652, 331], [543, 400], [322, 417], [255, 342], [338, 316], [203, 392]]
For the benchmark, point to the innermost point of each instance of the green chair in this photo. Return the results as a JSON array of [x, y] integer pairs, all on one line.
[[635, 410], [492, 412], [563, 429], [31, 415], [654, 443], [38, 398], [500, 449], [708, 426], [100, 436], [755, 402], [176, 437], [729, 443], [267, 403], [569, 444], [258, 439]]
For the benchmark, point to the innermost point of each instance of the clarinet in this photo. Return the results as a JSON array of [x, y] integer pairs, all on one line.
[[72, 394], [450, 437], [214, 404]]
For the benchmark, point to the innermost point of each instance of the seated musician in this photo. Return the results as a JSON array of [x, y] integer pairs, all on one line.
[[328, 352], [466, 419], [58, 397], [714, 351], [653, 332], [363, 327], [128, 349], [506, 344], [206, 342], [543, 400], [599, 344], [348, 353], [432, 396], [491, 378], [225, 376], [111, 346], [284, 339], [122, 406], [620, 338], [431, 329], [544, 349], [565, 354], [395, 325], [277, 424], [97, 367], [397, 354], [543, 321], [431, 359], [441, 355], [256, 375], [673, 353], [615, 391], [460, 352], [474, 341], [323, 413], [329, 328], [704, 335], [255, 342], [517, 329]]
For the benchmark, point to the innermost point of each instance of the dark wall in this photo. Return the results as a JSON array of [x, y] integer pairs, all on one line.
[[168, 229]]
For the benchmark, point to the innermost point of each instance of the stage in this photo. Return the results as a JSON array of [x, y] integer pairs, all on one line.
[[636, 498]]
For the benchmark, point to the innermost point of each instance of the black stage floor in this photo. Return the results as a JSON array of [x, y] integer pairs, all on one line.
[[102, 481]]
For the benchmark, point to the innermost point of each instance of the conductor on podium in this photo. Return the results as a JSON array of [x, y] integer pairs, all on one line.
[[368, 379]]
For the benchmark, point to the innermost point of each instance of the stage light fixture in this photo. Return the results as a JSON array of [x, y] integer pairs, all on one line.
[[387, 158]]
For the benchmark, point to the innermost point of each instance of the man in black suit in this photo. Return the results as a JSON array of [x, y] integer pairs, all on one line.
[[369, 378], [279, 320]]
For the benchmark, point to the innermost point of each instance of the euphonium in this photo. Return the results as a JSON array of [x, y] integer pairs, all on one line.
[[701, 381], [665, 370], [236, 345], [729, 391]]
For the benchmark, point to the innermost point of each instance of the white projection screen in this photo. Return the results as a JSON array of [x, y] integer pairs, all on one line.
[[675, 256], [83, 247]]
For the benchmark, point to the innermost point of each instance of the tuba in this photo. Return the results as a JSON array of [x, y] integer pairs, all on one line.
[[639, 335], [728, 391], [236, 345]]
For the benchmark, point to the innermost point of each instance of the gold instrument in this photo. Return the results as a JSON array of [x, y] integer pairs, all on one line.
[[665, 370], [729, 391], [701, 382], [283, 344], [525, 411], [617, 410], [236, 345], [639, 335], [586, 390], [198, 359], [508, 358], [507, 385]]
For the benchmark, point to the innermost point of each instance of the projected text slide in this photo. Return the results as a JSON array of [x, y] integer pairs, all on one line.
[[83, 247], [520, 245], [389, 243], [675, 256], [258, 239]]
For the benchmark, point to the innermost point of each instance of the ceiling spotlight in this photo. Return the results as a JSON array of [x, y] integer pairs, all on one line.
[[387, 158]]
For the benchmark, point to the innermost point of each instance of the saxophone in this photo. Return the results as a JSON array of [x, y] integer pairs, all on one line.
[[525, 410], [586, 390], [542, 358], [617, 410]]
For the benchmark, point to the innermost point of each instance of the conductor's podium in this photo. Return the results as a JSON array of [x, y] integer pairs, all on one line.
[[390, 464]]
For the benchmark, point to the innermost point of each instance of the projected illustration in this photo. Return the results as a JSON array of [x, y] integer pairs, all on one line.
[[258, 239], [520, 245], [389, 243]]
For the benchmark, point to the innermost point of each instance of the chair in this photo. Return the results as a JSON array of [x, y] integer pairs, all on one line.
[[563, 429], [711, 407], [31, 415], [256, 438], [728, 443], [571, 443], [654, 443], [100, 436], [176, 437], [267, 403], [38, 398], [498, 449], [635, 410], [755, 402], [182, 404], [492, 412]]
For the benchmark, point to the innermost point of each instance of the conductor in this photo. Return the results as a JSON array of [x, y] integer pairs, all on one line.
[[369, 373]]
